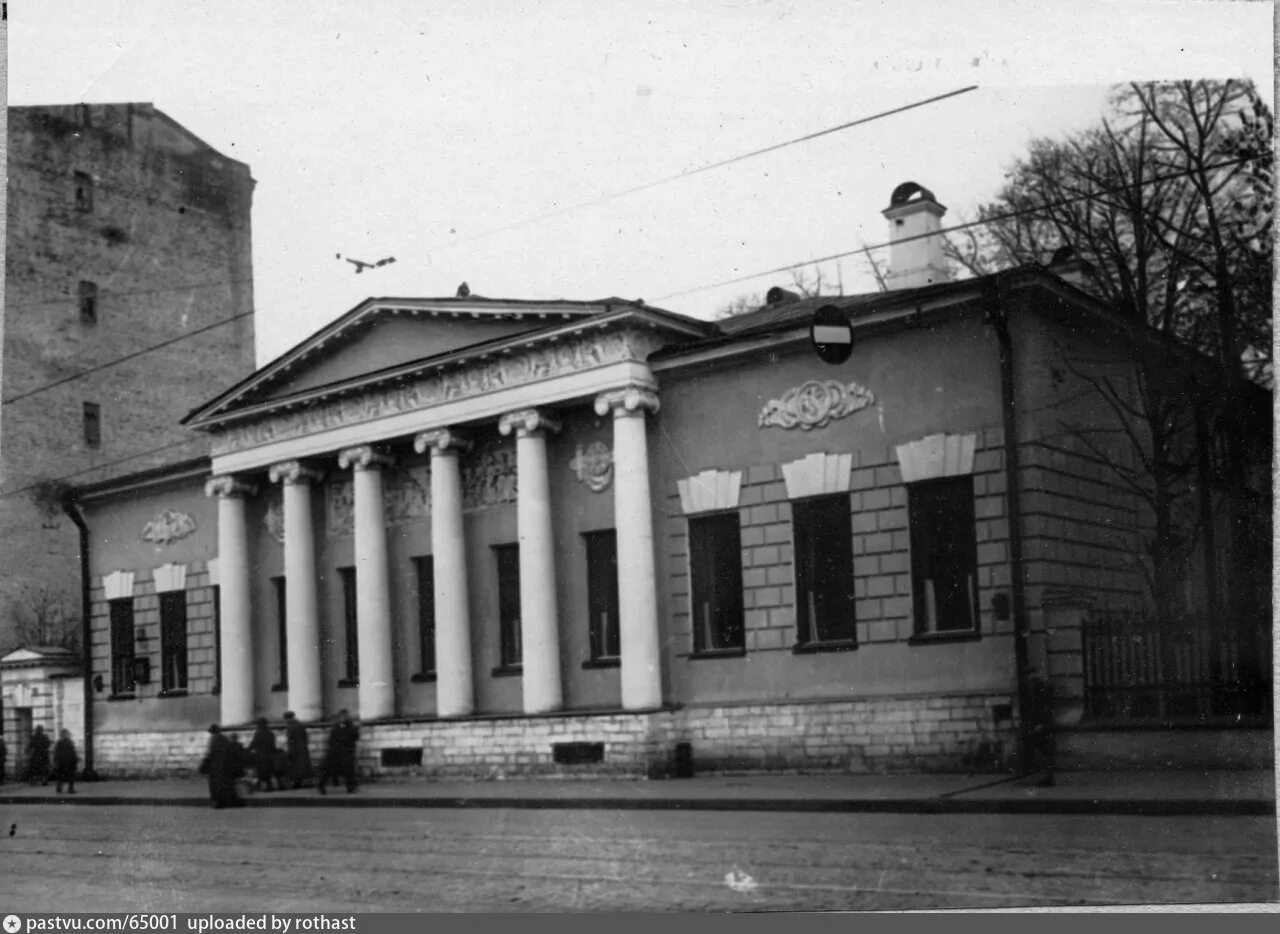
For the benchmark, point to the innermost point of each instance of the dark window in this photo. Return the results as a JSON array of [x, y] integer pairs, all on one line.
[[351, 627], [602, 594], [93, 424], [425, 567], [88, 302], [84, 191], [217, 639], [508, 559], [715, 570], [824, 569], [173, 640], [122, 637], [944, 555], [282, 633]]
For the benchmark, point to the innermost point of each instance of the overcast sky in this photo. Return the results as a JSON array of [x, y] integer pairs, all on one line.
[[418, 129]]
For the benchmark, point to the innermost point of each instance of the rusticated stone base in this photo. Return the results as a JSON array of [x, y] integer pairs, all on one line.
[[953, 733]]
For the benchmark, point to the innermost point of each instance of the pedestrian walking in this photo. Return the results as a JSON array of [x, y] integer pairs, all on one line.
[[38, 757], [263, 749], [221, 763], [297, 750], [340, 757], [65, 762], [4, 755], [1041, 739]]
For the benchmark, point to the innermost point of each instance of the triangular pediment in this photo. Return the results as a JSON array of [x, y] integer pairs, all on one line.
[[558, 346], [47, 654], [386, 334]]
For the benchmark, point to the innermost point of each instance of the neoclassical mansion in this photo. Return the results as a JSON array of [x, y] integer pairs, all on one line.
[[554, 537]]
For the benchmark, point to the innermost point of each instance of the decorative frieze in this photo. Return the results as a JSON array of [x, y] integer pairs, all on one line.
[[593, 466], [489, 479], [406, 497], [169, 526], [815, 404], [570, 356]]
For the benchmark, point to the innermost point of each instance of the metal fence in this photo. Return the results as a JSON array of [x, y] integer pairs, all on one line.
[[1144, 669]]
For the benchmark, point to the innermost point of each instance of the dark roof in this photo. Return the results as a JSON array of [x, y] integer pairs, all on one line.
[[787, 313]]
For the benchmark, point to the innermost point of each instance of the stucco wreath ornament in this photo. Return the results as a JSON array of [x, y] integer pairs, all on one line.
[[814, 404]]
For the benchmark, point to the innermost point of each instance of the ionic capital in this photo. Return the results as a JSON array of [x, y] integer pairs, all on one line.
[[628, 400], [227, 486], [293, 472], [527, 422], [364, 457], [440, 441]]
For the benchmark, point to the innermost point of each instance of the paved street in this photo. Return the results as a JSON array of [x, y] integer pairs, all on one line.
[[185, 859]]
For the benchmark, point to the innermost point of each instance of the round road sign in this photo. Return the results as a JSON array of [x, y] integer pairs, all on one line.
[[831, 334]]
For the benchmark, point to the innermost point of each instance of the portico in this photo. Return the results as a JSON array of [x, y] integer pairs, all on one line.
[[448, 408]]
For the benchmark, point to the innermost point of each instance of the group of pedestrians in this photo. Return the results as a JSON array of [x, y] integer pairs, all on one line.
[[61, 767], [227, 761]]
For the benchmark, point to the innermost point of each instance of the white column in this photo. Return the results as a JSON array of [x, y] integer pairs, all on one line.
[[633, 522], [377, 689], [235, 675], [302, 622], [539, 626], [455, 694]]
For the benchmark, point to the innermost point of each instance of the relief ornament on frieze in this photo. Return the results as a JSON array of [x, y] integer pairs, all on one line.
[[815, 404]]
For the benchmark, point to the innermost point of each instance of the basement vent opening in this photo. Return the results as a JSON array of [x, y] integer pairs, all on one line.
[[577, 753], [402, 756]]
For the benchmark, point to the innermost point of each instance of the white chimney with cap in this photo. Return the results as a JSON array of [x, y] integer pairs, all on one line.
[[915, 251]]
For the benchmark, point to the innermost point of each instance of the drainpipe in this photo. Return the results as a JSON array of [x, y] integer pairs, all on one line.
[[69, 507], [1013, 496]]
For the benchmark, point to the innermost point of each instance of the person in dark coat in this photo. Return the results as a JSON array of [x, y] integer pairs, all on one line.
[[298, 753], [340, 757], [221, 763], [1041, 741], [38, 757], [65, 762], [263, 749]]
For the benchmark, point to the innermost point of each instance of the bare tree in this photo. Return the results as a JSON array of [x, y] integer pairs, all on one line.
[[1170, 199], [45, 615]]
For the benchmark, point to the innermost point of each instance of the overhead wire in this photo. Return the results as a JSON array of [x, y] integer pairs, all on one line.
[[194, 439], [121, 359], [609, 196], [992, 219], [524, 222]]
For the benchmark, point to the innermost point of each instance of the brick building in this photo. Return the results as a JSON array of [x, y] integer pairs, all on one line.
[[521, 537], [128, 292]]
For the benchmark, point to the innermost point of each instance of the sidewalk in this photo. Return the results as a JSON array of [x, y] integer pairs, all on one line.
[[1131, 793]]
